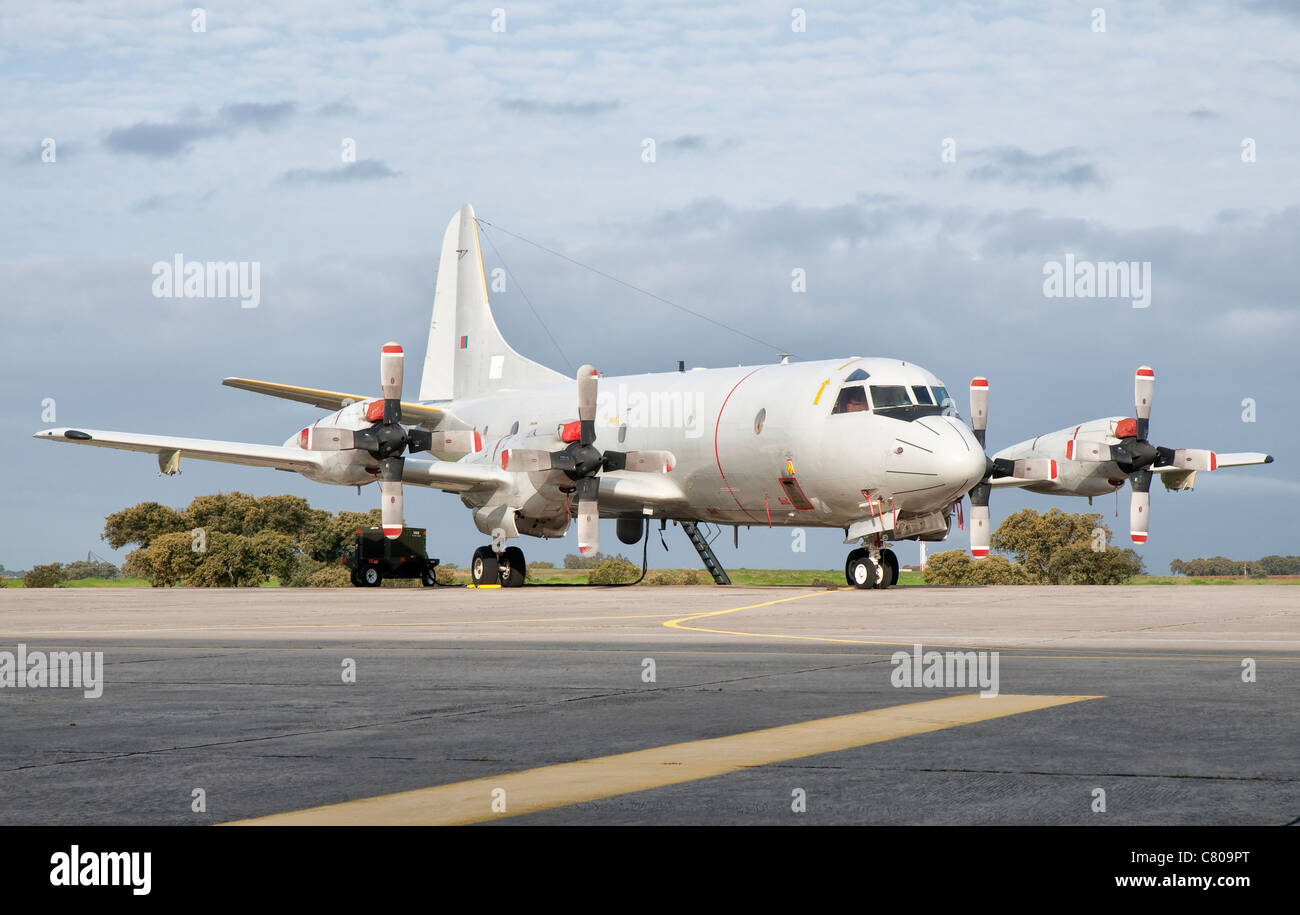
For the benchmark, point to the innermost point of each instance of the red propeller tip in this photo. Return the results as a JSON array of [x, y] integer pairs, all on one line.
[[979, 553], [1138, 538], [505, 459], [1145, 372], [392, 348], [979, 383]]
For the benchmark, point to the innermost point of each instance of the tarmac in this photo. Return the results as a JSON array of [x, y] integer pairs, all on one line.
[[1159, 705]]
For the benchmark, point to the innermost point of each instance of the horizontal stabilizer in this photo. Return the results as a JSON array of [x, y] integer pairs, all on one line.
[[412, 413]]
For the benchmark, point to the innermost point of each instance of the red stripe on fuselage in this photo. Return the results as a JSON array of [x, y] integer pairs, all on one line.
[[716, 426]]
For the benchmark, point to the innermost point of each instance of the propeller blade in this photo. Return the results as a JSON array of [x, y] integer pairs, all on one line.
[[1095, 452], [979, 520], [390, 494], [1139, 506], [525, 460], [979, 407], [641, 461], [587, 383], [1195, 459], [588, 514], [1144, 385], [326, 438], [1041, 469], [391, 363]]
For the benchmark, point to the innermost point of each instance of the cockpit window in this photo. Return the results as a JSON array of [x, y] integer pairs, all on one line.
[[851, 400], [857, 375], [922, 394], [941, 397], [889, 395]]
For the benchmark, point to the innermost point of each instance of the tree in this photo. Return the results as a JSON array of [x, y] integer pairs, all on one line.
[[46, 576], [1033, 538], [84, 568], [169, 560], [142, 524], [1080, 564], [230, 561]]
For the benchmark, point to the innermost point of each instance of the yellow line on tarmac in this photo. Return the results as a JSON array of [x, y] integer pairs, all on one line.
[[549, 787], [678, 624]]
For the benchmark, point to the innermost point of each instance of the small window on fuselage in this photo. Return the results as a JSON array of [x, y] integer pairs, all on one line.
[[922, 394], [852, 399], [857, 375], [889, 395]]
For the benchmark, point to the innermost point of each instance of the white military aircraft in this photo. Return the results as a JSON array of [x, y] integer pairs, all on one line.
[[872, 446]]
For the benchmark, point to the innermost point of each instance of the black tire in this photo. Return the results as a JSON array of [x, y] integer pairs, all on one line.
[[513, 568], [859, 553], [483, 568], [356, 582], [890, 562], [864, 573], [429, 578], [371, 577]]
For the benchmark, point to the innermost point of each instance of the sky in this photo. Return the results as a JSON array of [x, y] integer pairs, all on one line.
[[921, 163]]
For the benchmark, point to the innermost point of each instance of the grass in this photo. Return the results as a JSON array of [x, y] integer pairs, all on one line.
[[90, 583], [1213, 580], [744, 577]]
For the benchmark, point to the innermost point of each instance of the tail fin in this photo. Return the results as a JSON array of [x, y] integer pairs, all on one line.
[[467, 355]]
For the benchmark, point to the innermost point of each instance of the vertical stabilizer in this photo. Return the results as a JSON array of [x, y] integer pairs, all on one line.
[[467, 356]]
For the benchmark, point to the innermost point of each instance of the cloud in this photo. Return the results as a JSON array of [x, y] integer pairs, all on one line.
[[254, 114], [176, 139], [161, 141], [558, 109], [163, 202], [695, 142], [337, 109], [1013, 165], [365, 170]]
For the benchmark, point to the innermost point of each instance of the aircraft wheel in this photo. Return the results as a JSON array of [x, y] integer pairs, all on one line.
[[859, 553], [371, 578], [864, 573], [889, 572], [356, 582], [429, 577], [484, 568], [513, 568]]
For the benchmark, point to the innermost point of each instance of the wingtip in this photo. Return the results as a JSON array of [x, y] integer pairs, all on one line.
[[1268, 459]]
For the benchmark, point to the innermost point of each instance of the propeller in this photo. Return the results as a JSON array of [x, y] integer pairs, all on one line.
[[1031, 469], [581, 461], [385, 440], [1135, 455]]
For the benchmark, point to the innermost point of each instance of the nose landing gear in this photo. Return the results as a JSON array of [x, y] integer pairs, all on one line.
[[871, 567]]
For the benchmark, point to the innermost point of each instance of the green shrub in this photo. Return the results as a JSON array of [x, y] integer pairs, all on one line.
[[46, 576], [330, 576], [614, 571], [444, 574]]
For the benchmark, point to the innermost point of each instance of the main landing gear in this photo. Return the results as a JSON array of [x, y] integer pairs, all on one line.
[[871, 567], [506, 568]]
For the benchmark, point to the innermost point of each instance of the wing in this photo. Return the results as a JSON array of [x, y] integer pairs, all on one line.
[[170, 447], [454, 476], [331, 400]]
